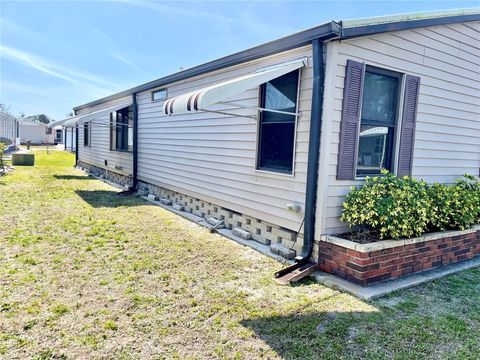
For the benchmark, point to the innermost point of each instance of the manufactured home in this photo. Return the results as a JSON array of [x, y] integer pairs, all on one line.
[[37, 133], [269, 140], [8, 129]]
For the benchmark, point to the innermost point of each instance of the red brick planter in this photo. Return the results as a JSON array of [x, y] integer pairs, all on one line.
[[367, 264]]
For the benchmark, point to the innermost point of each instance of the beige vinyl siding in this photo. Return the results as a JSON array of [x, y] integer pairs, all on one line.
[[212, 156], [99, 149], [447, 142]]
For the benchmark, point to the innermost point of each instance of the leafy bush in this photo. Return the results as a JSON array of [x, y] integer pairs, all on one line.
[[2, 162], [455, 206], [395, 207], [406, 207]]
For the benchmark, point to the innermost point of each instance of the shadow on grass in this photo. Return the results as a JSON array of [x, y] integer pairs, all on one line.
[[108, 198], [73, 177], [312, 335]]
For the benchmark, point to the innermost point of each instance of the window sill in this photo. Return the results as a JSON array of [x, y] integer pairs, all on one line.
[[272, 172], [122, 151]]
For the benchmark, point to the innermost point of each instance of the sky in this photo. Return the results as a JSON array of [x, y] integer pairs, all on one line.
[[55, 55]]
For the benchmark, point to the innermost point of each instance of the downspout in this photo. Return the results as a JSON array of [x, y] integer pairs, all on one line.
[[76, 144], [313, 150], [135, 141]]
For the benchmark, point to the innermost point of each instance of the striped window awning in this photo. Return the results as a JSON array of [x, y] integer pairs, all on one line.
[[202, 99]]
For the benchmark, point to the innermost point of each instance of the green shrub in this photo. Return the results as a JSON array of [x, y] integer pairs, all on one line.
[[471, 188], [395, 207], [406, 207], [455, 206], [2, 153]]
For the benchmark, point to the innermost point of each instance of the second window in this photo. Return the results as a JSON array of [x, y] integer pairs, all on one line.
[[121, 132], [277, 129]]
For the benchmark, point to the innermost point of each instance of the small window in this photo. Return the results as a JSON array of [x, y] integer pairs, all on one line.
[[48, 130], [121, 129], [378, 121], [160, 94], [277, 130], [86, 134]]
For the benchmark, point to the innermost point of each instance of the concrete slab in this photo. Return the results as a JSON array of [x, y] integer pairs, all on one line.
[[381, 289]]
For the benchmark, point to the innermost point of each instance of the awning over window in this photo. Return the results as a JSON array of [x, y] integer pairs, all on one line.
[[62, 122], [72, 121], [203, 98]]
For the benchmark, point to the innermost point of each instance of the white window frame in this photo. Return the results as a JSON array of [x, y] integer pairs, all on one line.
[[157, 91], [257, 145]]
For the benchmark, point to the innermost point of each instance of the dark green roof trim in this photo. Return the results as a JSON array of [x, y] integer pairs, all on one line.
[[405, 25]]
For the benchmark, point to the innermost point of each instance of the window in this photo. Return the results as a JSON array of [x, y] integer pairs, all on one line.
[[86, 134], [121, 130], [48, 130], [378, 121], [277, 130], [160, 94]]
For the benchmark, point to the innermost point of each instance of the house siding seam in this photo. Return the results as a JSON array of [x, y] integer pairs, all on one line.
[[212, 156], [447, 131]]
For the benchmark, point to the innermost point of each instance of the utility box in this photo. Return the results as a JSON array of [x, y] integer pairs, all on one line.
[[23, 159]]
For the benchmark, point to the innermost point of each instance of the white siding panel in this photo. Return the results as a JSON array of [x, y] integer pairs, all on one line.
[[447, 59], [212, 156], [99, 149]]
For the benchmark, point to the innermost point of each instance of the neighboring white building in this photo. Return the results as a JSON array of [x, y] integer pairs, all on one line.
[[272, 138], [8, 128], [36, 132], [70, 138]]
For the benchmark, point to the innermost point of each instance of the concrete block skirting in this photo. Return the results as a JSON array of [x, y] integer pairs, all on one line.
[[243, 226], [102, 173], [366, 264]]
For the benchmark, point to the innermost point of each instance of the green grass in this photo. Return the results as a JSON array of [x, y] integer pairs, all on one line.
[[86, 274]]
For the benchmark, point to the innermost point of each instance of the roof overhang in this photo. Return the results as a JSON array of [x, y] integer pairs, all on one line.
[[203, 98], [74, 120], [380, 24], [325, 31], [330, 30]]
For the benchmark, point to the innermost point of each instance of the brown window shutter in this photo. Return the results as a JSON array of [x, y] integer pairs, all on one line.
[[351, 109], [407, 136]]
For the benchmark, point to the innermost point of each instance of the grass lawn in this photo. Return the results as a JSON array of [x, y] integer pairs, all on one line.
[[86, 274]]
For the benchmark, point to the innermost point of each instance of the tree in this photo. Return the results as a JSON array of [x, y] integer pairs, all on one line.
[[43, 119], [5, 108]]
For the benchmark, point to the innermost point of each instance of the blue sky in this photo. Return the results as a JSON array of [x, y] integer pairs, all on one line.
[[58, 54]]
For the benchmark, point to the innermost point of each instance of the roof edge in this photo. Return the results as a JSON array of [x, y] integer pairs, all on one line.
[[357, 31], [324, 31]]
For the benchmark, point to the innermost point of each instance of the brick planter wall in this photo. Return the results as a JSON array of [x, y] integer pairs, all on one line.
[[366, 264]]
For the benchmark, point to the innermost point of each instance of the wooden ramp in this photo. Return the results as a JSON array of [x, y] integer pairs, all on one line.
[[295, 272]]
